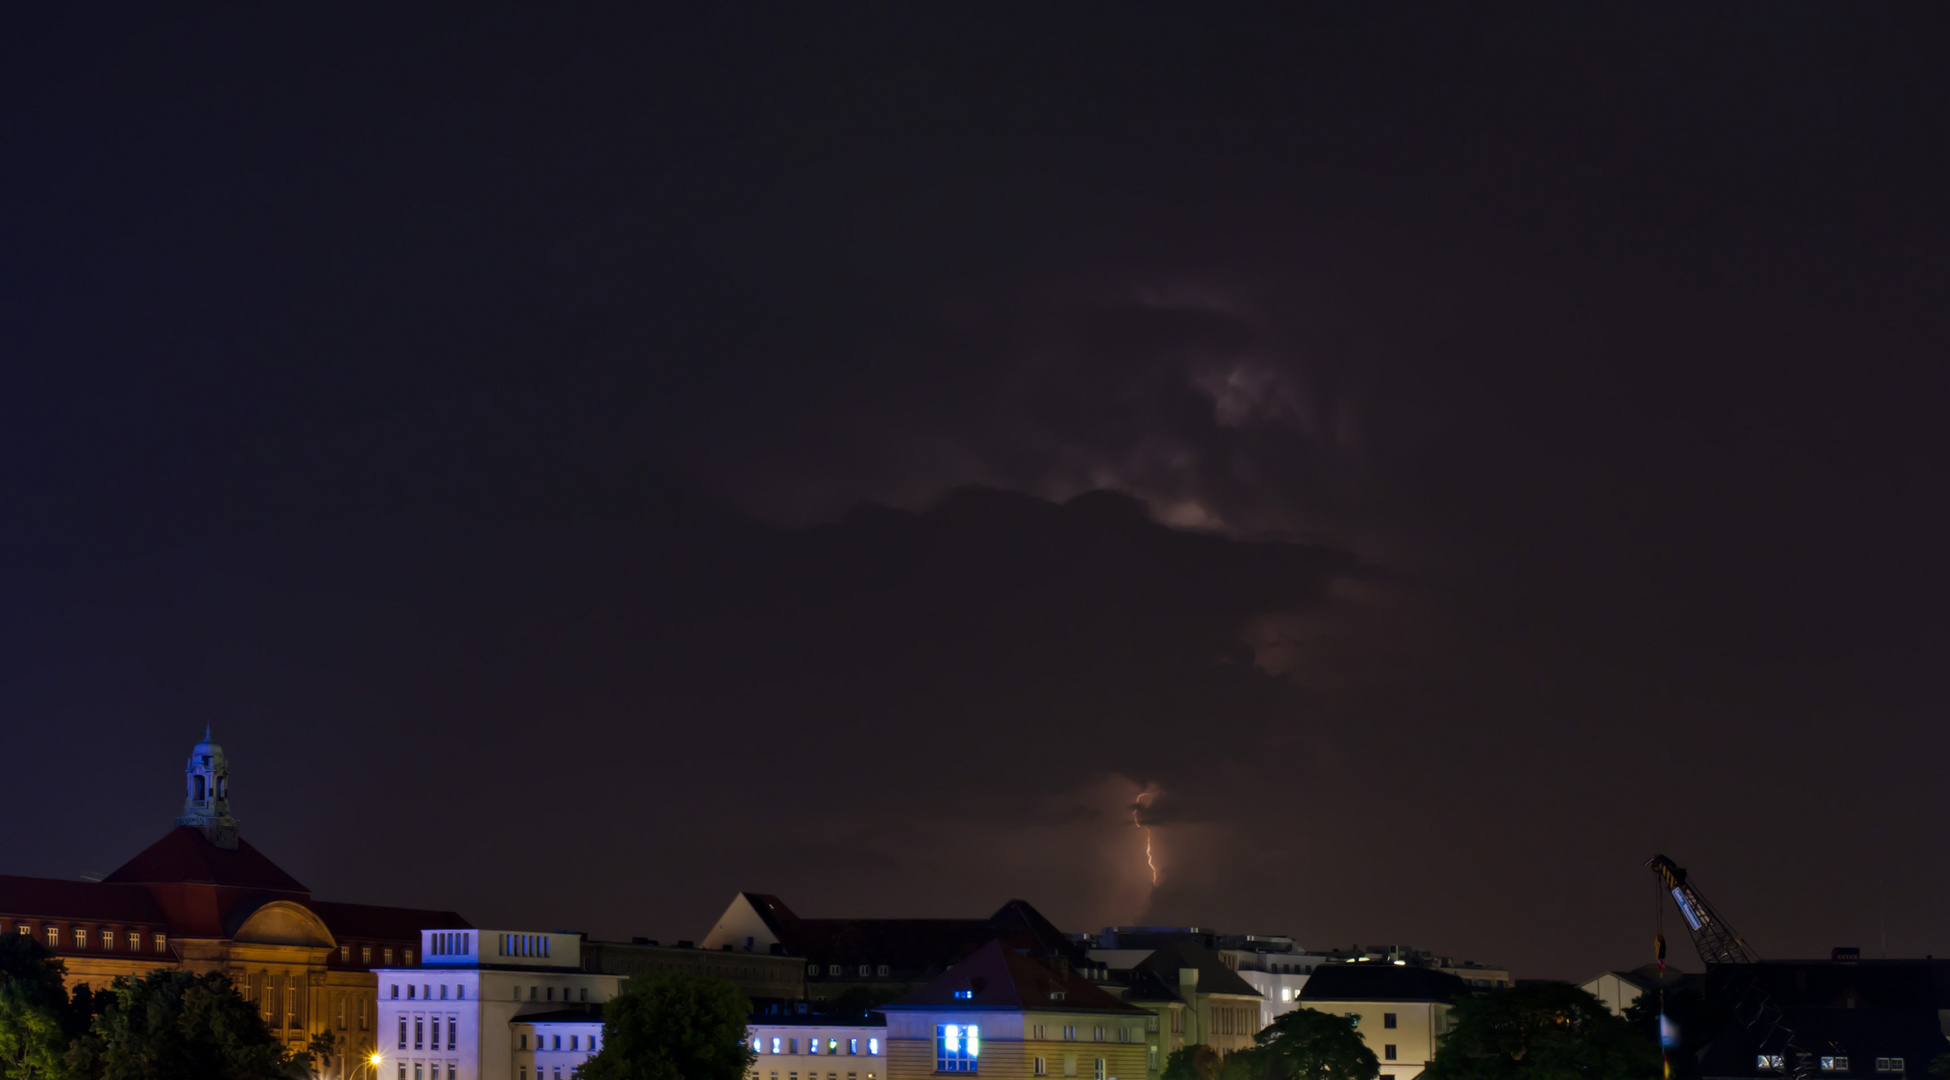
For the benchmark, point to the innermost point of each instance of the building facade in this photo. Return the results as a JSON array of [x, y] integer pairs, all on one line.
[[818, 1048], [1402, 1013], [491, 1005], [1003, 1014], [201, 899], [770, 978]]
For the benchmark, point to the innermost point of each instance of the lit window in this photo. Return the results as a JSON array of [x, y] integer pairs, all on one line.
[[832, 1046], [135, 941], [386, 956], [1834, 1064], [26, 930], [1151, 1055], [1039, 1068], [832, 969], [80, 938], [108, 940], [558, 1043], [957, 1047], [1889, 1065], [812, 1046], [345, 954], [852, 1046], [402, 1033], [162, 942], [53, 937], [866, 969], [965, 995], [1768, 1061], [882, 969], [873, 1047], [409, 958], [775, 1044]]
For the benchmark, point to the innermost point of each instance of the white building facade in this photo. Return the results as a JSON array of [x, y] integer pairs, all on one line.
[[491, 1005], [817, 1048]]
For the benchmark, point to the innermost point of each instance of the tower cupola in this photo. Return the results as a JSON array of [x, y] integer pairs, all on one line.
[[206, 803]]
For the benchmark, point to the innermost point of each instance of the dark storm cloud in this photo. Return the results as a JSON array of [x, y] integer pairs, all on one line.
[[1605, 342]]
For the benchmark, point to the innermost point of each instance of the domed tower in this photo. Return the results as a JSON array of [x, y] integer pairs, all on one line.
[[206, 805]]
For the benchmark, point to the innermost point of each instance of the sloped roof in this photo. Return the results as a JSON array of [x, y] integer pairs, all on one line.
[[912, 944], [385, 923], [1214, 977], [57, 899], [1000, 978], [1381, 982], [185, 856]]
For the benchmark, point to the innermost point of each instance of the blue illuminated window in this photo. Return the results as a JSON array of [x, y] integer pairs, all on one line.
[[873, 1046], [812, 1046], [775, 1044], [957, 1047], [965, 995], [852, 1046]]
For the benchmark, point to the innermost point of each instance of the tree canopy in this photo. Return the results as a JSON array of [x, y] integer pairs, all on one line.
[[35, 1021], [1305, 1044], [172, 1024], [673, 1027], [1195, 1062], [1547, 1031]]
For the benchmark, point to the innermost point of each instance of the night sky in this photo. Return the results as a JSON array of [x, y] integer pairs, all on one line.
[[585, 464]]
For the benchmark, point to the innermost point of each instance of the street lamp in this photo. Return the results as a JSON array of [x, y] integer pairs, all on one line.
[[372, 1061]]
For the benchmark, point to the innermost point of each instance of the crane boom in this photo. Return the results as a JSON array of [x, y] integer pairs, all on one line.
[[1713, 936], [1780, 1051]]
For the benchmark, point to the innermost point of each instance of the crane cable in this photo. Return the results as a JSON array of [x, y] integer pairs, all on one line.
[[1659, 951]]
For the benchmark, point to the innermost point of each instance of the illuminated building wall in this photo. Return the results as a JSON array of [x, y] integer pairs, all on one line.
[[816, 1048], [491, 1005]]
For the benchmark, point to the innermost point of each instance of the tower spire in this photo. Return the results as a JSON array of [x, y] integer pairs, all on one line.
[[206, 802]]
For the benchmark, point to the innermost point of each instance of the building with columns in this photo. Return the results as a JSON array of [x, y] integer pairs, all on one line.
[[202, 899]]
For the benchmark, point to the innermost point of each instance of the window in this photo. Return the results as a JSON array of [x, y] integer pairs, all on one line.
[[25, 930], [957, 1047], [409, 958], [866, 969], [443, 991], [1036, 1032], [832, 969], [873, 1047], [882, 969], [135, 941], [524, 1043], [452, 1022], [1151, 1022], [1388, 1052], [582, 994], [162, 942], [364, 1018], [1889, 1065], [812, 1046], [572, 1043], [419, 1029], [832, 1047], [1098, 1034], [53, 937], [365, 954], [108, 940], [1098, 1073], [812, 969], [386, 955], [1388, 1021], [411, 990], [1151, 1057], [341, 1012], [558, 1043], [792, 1046], [1834, 1064], [1069, 1032], [1039, 1067], [459, 991], [775, 1044], [395, 987], [965, 995], [402, 1033]]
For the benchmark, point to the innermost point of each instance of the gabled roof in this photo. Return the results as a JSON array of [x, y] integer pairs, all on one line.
[[1381, 982], [56, 899], [385, 923], [185, 856], [911, 944], [996, 977], [1214, 977]]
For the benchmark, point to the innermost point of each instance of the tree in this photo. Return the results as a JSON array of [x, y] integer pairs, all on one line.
[[34, 1011], [673, 1027], [1305, 1044], [1195, 1062], [172, 1024], [1547, 1031]]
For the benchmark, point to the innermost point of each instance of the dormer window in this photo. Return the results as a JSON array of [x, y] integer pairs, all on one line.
[[1058, 995]]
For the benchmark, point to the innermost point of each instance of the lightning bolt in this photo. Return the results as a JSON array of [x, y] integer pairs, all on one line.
[[1137, 811]]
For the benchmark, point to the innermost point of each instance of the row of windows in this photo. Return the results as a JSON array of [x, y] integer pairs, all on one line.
[[812, 1045], [522, 1073], [416, 991], [753, 1075], [541, 1042], [1123, 1034], [80, 936], [1834, 1064], [365, 955], [454, 944], [420, 1024], [835, 970], [432, 1070], [957, 1047], [1387, 1020], [1040, 1066], [524, 945]]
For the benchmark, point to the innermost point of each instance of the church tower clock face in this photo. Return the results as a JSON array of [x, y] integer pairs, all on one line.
[[206, 802]]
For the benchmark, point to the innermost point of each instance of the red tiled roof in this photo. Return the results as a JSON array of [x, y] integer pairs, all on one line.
[[52, 898], [997, 977], [185, 855], [383, 923]]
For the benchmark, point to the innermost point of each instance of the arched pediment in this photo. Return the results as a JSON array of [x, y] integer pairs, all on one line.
[[283, 922]]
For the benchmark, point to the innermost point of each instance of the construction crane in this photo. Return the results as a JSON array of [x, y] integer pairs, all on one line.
[[1720, 947]]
